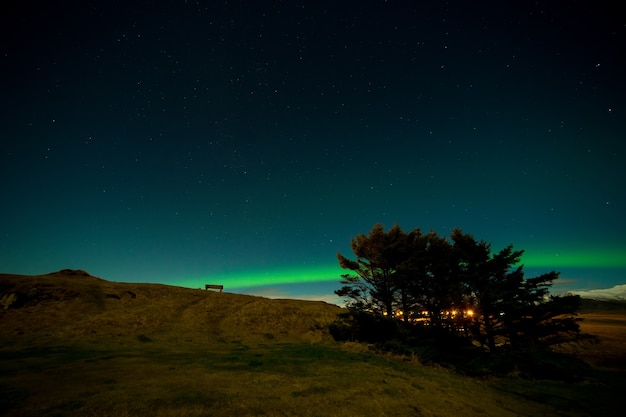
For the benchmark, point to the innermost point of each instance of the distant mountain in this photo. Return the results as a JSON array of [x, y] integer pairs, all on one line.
[[616, 294]]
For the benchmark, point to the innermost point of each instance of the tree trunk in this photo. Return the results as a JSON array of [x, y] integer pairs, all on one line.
[[491, 342], [405, 307], [389, 308]]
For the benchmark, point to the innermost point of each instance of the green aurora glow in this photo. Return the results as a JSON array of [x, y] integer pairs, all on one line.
[[609, 258], [293, 275], [575, 258]]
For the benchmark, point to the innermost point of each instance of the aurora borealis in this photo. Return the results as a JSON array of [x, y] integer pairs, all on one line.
[[193, 142]]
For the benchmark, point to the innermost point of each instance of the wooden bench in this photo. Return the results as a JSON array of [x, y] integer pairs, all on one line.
[[214, 287]]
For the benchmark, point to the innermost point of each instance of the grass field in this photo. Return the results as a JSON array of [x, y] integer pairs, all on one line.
[[610, 328], [147, 350]]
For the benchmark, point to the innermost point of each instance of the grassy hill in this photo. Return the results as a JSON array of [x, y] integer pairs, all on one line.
[[76, 345], [74, 306]]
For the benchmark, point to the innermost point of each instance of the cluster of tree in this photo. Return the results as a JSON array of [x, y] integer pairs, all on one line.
[[455, 286]]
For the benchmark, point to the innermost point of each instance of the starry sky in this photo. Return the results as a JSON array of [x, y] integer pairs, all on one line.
[[245, 143]]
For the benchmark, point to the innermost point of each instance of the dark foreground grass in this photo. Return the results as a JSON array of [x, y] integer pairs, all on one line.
[[233, 378]]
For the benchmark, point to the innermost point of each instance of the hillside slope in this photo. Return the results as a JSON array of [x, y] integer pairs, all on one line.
[[73, 306], [75, 345]]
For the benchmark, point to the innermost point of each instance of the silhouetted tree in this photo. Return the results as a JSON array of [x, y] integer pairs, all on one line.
[[491, 283], [472, 268], [508, 307], [538, 317], [380, 256], [439, 292], [459, 283], [412, 274]]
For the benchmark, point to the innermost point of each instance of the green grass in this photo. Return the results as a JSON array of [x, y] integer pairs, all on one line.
[[272, 379]]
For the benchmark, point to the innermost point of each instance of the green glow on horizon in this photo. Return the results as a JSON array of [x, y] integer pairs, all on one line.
[[550, 260], [575, 258], [291, 275]]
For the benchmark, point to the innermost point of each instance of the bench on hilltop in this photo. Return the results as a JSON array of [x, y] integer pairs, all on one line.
[[214, 287]]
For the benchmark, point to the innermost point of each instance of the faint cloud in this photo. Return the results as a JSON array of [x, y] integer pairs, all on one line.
[[565, 282]]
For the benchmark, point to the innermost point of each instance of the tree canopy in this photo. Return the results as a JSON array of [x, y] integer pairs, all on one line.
[[456, 285]]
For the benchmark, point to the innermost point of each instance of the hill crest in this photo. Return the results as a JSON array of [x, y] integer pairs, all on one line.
[[57, 308]]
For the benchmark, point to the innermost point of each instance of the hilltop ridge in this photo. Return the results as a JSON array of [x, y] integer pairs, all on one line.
[[58, 308]]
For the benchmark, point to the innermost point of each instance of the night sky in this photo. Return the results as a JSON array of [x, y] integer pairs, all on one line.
[[245, 143]]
